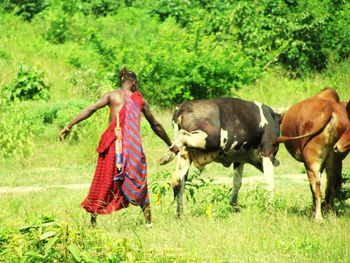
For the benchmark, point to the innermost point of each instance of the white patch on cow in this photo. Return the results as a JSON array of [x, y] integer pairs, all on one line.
[[175, 128], [233, 145], [268, 173], [223, 138], [263, 120], [194, 139]]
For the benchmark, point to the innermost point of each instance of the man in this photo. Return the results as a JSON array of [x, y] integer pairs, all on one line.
[[120, 177]]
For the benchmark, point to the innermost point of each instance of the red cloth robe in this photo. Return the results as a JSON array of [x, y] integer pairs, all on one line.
[[105, 194]]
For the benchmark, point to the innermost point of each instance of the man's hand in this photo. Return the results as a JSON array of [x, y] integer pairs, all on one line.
[[174, 149], [64, 132]]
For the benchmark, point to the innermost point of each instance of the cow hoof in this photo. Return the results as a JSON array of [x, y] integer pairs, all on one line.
[[236, 208], [167, 158], [319, 219], [178, 216]]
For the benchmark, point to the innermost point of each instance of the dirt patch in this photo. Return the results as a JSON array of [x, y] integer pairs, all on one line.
[[28, 189], [217, 180]]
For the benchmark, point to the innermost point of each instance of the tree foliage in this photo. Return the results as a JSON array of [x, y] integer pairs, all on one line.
[[196, 49], [28, 85], [27, 9]]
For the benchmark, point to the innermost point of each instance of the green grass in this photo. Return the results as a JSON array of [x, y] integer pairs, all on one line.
[[284, 234]]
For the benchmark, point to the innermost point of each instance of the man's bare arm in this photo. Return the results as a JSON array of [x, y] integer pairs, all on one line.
[[157, 127], [85, 113]]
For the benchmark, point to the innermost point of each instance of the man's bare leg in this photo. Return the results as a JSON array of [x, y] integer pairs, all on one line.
[[93, 220]]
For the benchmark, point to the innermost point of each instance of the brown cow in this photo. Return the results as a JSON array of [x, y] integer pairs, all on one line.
[[311, 130]]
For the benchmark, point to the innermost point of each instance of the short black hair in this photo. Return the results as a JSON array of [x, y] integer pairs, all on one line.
[[126, 75]]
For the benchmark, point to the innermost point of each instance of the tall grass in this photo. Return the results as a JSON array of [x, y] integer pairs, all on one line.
[[207, 233], [286, 233]]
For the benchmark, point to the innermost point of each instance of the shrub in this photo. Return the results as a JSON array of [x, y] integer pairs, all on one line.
[[27, 9], [193, 68], [58, 31], [46, 239], [28, 85], [16, 138], [181, 10]]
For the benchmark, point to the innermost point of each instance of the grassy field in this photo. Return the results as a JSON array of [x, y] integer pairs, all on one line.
[[282, 233], [209, 231], [50, 226]]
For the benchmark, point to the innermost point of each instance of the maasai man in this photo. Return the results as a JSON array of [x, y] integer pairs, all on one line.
[[120, 181]]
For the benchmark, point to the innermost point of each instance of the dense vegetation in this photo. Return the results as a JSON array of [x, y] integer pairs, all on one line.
[[190, 49], [57, 56], [73, 50]]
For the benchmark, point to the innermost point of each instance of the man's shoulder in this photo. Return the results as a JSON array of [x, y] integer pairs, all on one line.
[[116, 91], [115, 96]]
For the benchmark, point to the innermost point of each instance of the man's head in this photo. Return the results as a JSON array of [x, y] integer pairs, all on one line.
[[128, 79]]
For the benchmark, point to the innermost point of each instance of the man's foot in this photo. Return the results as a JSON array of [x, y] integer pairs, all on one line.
[[147, 214], [149, 225]]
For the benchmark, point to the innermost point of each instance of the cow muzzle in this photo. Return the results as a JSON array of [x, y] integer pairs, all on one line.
[[340, 149], [335, 148]]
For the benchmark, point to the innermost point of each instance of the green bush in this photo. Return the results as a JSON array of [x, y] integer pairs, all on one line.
[[16, 137], [173, 65], [300, 35], [28, 85], [46, 240], [336, 36], [58, 31], [181, 10], [27, 9]]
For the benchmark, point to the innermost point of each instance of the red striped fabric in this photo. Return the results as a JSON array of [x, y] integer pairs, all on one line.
[[134, 175], [110, 191]]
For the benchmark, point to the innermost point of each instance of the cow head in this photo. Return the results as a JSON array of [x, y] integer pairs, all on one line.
[[347, 108], [343, 144]]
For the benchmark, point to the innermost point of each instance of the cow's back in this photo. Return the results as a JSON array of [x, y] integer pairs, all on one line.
[[240, 122], [314, 114]]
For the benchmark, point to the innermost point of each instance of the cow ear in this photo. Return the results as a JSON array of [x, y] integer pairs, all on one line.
[[278, 117]]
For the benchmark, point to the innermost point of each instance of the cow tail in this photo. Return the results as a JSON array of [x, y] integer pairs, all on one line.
[[282, 139]]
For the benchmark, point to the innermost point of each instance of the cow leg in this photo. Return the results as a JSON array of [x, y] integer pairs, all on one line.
[[268, 152], [237, 181], [268, 173], [333, 169], [179, 177], [314, 176], [179, 197]]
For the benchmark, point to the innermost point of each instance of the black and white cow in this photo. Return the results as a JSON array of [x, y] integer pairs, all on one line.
[[228, 131]]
